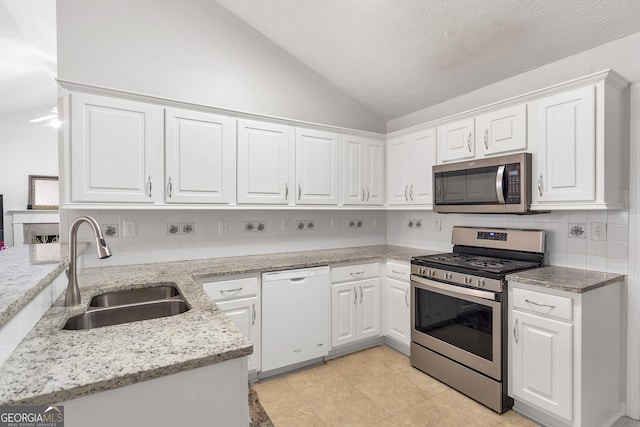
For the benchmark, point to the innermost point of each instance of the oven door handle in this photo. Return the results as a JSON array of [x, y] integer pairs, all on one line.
[[500, 184], [454, 288]]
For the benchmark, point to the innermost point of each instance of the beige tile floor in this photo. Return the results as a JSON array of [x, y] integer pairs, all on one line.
[[373, 387]]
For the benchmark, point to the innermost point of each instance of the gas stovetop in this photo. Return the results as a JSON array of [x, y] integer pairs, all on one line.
[[474, 264]]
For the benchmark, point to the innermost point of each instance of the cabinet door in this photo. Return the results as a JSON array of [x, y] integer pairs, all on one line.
[[344, 307], [398, 173], [456, 140], [374, 173], [353, 175], [398, 318], [245, 313], [502, 131], [200, 154], [265, 163], [564, 132], [113, 143], [542, 368], [317, 172], [368, 308], [422, 157]]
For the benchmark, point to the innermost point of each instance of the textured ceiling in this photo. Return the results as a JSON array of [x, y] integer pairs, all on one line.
[[397, 57]]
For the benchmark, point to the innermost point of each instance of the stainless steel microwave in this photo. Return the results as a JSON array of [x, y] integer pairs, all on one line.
[[492, 185]]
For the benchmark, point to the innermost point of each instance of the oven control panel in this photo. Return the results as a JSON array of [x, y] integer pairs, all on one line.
[[453, 277], [513, 183], [492, 235]]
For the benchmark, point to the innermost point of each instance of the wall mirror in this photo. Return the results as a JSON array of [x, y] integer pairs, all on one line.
[[43, 192]]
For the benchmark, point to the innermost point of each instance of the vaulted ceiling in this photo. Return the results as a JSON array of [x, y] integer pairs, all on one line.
[[399, 56]]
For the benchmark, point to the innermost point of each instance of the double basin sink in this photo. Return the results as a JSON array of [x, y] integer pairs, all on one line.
[[132, 305]]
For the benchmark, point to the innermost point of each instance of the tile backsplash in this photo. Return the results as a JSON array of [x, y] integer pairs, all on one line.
[[173, 235], [566, 249]]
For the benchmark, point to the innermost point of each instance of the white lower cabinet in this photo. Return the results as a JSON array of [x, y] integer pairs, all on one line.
[[397, 303], [564, 354], [355, 304], [239, 298]]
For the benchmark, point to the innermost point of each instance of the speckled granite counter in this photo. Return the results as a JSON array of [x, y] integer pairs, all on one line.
[[53, 365], [565, 279], [26, 270]]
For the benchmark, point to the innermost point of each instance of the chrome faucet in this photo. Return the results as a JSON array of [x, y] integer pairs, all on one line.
[[72, 297]]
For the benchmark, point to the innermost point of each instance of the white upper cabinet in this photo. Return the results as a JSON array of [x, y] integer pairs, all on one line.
[[456, 140], [363, 175], [502, 131], [317, 167], [265, 163], [112, 144], [578, 146], [199, 157], [409, 168]]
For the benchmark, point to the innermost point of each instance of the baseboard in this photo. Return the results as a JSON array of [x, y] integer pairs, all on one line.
[[398, 346], [353, 347]]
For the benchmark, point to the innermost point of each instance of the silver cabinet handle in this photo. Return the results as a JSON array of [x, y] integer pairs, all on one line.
[[230, 291], [486, 139], [499, 186], [368, 193], [406, 297], [355, 295], [170, 188], [357, 274], [515, 330], [253, 314], [299, 191], [406, 188], [411, 193], [150, 186], [537, 304], [286, 191], [398, 272], [540, 185], [362, 194], [469, 142], [360, 294]]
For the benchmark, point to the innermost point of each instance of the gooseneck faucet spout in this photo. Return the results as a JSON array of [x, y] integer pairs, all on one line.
[[72, 296]]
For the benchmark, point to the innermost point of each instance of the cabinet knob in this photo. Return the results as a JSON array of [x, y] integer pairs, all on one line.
[[150, 186], [480, 283]]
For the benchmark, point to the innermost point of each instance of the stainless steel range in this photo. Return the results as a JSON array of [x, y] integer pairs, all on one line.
[[458, 308]]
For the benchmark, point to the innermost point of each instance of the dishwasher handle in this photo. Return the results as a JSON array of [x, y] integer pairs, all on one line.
[[296, 275]]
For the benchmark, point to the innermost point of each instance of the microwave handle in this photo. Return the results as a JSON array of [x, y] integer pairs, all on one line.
[[500, 184]]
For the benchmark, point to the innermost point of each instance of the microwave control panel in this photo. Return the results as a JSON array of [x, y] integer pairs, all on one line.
[[513, 183]]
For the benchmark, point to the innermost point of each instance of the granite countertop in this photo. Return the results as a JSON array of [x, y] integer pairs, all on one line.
[[53, 365], [26, 270], [565, 279]]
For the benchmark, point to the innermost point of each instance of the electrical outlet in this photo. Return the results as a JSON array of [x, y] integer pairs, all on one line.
[[311, 225], [598, 231], [577, 231], [305, 224], [418, 223], [223, 227], [187, 228], [110, 230], [249, 227], [254, 226], [173, 229], [437, 226], [261, 226], [129, 228], [411, 223]]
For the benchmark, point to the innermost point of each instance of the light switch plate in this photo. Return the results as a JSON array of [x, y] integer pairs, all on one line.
[[598, 231]]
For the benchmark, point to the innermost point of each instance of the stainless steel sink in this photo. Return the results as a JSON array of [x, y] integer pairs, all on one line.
[[99, 317], [158, 291]]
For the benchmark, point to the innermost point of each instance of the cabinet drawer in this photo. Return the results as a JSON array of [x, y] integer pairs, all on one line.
[[542, 303], [355, 272], [398, 271], [232, 288]]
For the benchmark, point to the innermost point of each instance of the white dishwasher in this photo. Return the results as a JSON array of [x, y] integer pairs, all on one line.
[[295, 316]]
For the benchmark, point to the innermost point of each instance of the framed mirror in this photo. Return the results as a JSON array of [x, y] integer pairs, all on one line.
[[43, 192]]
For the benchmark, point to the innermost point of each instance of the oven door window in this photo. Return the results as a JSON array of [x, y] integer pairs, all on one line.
[[467, 187], [461, 323]]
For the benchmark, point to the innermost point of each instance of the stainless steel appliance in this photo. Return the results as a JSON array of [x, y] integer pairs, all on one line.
[[459, 309], [493, 185]]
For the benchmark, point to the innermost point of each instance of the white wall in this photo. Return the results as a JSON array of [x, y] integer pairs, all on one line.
[[620, 55], [25, 149], [196, 51], [154, 244]]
